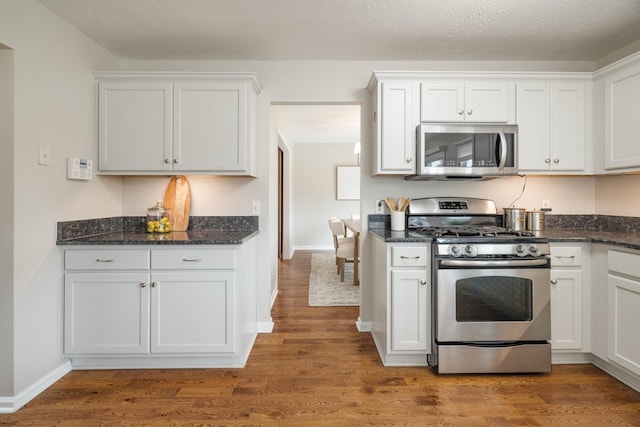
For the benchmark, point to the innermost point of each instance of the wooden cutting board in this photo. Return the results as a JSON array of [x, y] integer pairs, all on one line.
[[177, 197]]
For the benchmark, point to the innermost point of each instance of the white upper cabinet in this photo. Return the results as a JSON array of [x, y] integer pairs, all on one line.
[[622, 103], [551, 119], [183, 123], [395, 121], [473, 102]]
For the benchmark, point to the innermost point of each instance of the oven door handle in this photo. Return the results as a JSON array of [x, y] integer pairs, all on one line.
[[494, 263]]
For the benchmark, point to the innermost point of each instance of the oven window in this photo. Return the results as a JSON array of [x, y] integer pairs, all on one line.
[[494, 299]]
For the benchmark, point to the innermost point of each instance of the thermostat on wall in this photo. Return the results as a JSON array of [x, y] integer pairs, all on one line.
[[79, 169]]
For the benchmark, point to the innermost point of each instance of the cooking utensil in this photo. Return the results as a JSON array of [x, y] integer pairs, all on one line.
[[405, 204], [177, 197], [390, 203]]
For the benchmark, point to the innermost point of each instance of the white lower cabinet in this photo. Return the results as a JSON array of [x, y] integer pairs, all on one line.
[[158, 303], [567, 299], [106, 313], [624, 309], [401, 324], [192, 312]]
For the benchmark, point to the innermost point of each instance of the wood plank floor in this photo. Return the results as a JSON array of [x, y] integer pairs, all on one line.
[[315, 369]]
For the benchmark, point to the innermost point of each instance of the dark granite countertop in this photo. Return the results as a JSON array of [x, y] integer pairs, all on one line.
[[131, 231], [610, 230]]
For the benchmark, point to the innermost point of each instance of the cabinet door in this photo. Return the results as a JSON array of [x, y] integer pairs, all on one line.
[[192, 312], [210, 127], [442, 102], [397, 129], [624, 318], [566, 309], [134, 127], [533, 107], [486, 102], [567, 126], [106, 313], [409, 302], [622, 103]]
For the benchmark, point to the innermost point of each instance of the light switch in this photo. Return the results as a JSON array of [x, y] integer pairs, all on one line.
[[44, 155]]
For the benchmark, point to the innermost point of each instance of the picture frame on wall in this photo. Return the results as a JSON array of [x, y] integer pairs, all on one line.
[[348, 182]]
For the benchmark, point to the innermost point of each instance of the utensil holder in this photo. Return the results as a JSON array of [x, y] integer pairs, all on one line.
[[397, 220]]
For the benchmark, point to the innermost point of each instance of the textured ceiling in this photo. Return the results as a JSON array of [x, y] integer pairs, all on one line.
[[570, 30]]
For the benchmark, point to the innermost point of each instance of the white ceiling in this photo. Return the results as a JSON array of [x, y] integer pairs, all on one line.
[[575, 30], [562, 30]]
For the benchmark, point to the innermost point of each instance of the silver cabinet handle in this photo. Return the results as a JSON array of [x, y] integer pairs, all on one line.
[[565, 256], [408, 159], [470, 112], [175, 160], [556, 160], [409, 257], [192, 259], [554, 282], [154, 284], [166, 160], [143, 285], [423, 282], [547, 160], [105, 260], [460, 112]]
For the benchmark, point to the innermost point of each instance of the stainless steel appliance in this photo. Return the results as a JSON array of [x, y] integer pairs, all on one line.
[[465, 151], [491, 289]]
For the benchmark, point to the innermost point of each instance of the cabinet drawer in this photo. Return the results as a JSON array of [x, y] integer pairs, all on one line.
[[566, 256], [106, 259], [194, 259], [413, 256], [624, 263]]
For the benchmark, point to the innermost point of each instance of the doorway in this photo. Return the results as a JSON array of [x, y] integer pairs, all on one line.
[[313, 140]]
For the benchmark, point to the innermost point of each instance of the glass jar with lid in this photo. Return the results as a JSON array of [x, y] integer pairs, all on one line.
[[159, 219]]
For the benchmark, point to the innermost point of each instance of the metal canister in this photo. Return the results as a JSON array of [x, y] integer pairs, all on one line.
[[514, 218], [535, 220]]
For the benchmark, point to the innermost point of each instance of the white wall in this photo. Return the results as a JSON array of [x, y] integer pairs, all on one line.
[[6, 221], [54, 105], [618, 195], [314, 192]]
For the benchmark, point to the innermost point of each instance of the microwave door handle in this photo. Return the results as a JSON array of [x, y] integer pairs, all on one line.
[[503, 150]]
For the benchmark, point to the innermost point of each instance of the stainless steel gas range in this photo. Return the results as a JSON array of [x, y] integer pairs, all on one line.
[[491, 290]]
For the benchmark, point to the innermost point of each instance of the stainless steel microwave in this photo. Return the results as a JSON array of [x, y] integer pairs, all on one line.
[[466, 151]]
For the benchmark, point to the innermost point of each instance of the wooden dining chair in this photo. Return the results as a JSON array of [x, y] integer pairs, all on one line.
[[344, 246]]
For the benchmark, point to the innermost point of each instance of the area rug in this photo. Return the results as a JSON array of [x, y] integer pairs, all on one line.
[[325, 287]]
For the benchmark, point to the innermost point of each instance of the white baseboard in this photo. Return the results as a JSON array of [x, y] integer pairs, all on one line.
[[314, 248], [363, 326], [9, 405]]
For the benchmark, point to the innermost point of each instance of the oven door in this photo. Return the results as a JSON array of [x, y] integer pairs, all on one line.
[[475, 305]]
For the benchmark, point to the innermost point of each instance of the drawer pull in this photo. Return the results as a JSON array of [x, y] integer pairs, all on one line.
[[143, 284], [423, 282], [154, 284], [565, 256], [105, 260], [554, 282], [409, 257], [192, 259]]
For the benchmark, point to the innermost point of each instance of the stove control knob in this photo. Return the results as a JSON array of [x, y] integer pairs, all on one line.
[[520, 250], [470, 251], [455, 250], [534, 250]]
